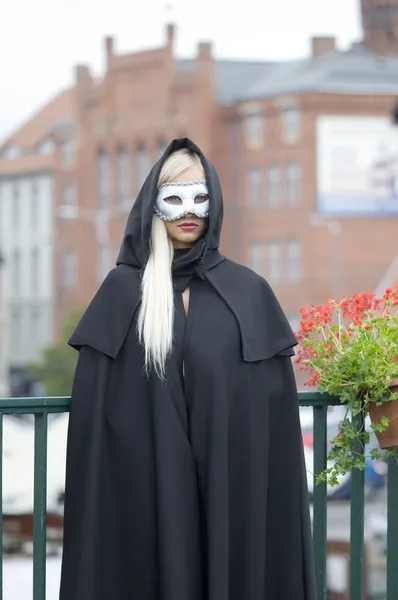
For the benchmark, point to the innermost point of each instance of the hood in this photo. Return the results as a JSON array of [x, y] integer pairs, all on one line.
[[135, 247]]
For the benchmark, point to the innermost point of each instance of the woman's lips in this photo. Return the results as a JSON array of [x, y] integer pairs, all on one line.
[[188, 226]]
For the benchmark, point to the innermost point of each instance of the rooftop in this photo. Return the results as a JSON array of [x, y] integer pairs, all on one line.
[[356, 71]]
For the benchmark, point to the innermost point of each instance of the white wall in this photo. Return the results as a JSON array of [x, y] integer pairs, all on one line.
[[26, 231]]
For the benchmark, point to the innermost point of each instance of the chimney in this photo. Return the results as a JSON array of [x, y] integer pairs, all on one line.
[[323, 45], [82, 74], [170, 34], [109, 48], [205, 51]]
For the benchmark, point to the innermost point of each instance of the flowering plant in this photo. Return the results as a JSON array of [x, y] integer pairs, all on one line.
[[350, 350]]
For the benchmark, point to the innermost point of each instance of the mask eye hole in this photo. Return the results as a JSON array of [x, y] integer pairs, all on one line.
[[173, 200], [200, 198]]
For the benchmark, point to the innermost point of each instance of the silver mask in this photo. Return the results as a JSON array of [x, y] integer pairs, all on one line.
[[177, 199]]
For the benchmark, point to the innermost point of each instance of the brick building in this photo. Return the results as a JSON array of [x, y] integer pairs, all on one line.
[[268, 127], [259, 123], [28, 176], [380, 25]]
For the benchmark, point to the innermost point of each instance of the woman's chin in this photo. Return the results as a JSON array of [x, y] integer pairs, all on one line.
[[185, 239]]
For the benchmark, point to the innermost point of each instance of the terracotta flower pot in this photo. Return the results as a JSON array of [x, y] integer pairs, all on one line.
[[388, 439]]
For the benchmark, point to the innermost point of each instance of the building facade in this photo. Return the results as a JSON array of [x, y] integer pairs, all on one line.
[[27, 248], [269, 130], [30, 168], [380, 25], [305, 149]]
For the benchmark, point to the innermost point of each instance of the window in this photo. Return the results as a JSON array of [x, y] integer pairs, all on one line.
[[294, 260], [255, 187], [273, 181], [36, 329], [256, 258], [294, 322], [68, 149], [69, 208], [291, 123], [69, 195], [16, 332], [1, 206], [293, 184], [161, 148], [34, 204], [11, 152], [274, 261], [69, 269], [122, 181], [34, 272], [253, 124], [142, 165], [104, 257], [103, 179], [46, 147], [15, 206], [16, 271]]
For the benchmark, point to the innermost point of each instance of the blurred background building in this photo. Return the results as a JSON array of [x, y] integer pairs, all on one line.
[[307, 152]]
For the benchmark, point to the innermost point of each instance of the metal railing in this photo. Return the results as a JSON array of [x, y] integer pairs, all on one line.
[[42, 407]]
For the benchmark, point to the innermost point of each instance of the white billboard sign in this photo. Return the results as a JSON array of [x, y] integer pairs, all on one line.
[[357, 166]]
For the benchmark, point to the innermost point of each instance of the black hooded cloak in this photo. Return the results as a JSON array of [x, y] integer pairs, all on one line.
[[193, 488]]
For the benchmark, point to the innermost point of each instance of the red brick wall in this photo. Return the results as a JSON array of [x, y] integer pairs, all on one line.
[[380, 25], [144, 99]]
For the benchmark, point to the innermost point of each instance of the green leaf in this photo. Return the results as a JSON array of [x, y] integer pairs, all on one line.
[[57, 368]]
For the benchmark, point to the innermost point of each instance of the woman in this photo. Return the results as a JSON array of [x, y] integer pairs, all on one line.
[[185, 473]]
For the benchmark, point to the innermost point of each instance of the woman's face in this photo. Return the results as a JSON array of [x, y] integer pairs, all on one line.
[[185, 232]]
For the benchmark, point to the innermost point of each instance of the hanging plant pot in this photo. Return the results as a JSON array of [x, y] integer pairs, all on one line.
[[388, 439]]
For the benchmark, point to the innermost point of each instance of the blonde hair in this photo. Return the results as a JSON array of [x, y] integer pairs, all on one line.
[[156, 314]]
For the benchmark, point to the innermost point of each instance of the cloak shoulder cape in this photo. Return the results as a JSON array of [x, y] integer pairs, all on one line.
[[193, 489], [263, 326]]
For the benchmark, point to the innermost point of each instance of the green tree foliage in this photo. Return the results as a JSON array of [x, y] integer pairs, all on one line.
[[57, 368]]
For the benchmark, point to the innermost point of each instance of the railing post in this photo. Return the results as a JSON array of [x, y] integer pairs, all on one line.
[[1, 506], [357, 550], [392, 532], [40, 508], [320, 500]]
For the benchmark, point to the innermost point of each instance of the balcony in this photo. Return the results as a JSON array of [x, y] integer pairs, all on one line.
[[355, 549]]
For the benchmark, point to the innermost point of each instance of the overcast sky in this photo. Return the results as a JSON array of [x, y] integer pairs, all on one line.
[[41, 40]]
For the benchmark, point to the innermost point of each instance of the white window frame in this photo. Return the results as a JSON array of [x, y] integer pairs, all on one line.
[[143, 164], [103, 183], [122, 176], [162, 145], [68, 151], [256, 257], [104, 262], [46, 147], [69, 269], [35, 203], [294, 260], [254, 128], [16, 271], [293, 183], [35, 271], [291, 124], [16, 206], [273, 185], [275, 261], [256, 182]]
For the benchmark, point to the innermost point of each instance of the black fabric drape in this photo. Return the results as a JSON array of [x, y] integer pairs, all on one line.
[[193, 489]]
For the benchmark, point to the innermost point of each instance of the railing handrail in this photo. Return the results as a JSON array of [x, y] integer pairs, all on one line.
[[62, 403], [55, 403]]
